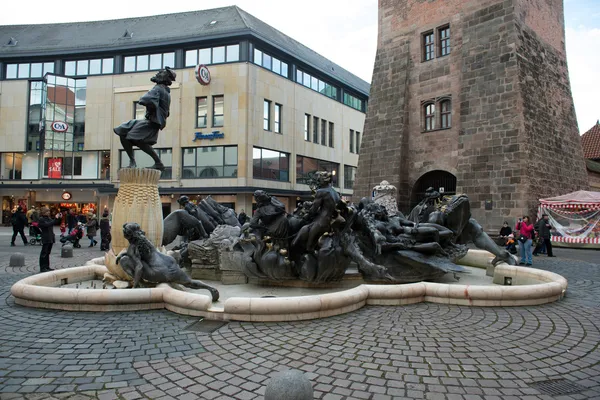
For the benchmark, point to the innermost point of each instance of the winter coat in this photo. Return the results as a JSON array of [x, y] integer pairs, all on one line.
[[543, 227], [104, 225], [92, 226], [242, 218], [505, 231], [19, 220], [71, 220], [46, 224], [525, 230]]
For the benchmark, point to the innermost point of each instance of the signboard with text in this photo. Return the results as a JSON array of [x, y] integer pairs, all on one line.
[[55, 168], [208, 136]]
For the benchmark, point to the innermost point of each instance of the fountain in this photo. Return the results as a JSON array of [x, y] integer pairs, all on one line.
[[326, 258]]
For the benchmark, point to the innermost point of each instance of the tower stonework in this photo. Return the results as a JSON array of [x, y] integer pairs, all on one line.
[[489, 109]]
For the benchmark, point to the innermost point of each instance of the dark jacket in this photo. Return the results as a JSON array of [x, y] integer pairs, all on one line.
[[104, 224], [71, 220], [242, 218], [505, 231], [19, 220], [543, 227], [92, 226], [46, 224]]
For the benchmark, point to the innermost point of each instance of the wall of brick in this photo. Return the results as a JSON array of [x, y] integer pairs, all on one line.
[[512, 140]]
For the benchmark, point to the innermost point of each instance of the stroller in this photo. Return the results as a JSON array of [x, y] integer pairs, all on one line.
[[35, 234], [73, 237]]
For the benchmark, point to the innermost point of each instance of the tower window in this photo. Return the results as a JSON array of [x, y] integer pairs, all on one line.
[[429, 110], [444, 40], [428, 46], [446, 114]]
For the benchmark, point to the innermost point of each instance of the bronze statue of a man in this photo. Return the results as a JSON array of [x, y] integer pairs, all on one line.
[[143, 133]]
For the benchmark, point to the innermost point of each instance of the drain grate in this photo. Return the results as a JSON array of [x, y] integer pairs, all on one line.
[[205, 326], [557, 387]]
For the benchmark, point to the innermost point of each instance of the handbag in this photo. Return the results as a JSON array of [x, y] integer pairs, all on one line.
[[523, 238]]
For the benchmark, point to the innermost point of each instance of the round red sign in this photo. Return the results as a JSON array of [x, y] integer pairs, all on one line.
[[203, 74], [60, 126]]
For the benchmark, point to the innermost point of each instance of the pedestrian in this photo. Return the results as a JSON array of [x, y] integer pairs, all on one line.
[[242, 217], [46, 224], [105, 230], [505, 230], [543, 227], [18, 221], [92, 228], [71, 220], [526, 231], [29, 215]]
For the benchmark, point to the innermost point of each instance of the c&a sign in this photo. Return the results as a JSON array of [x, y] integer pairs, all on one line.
[[60, 126]]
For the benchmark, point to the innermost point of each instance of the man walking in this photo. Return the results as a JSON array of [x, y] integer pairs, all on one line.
[[18, 221], [46, 224], [543, 228]]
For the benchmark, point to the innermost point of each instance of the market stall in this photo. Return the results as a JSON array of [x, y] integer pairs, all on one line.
[[575, 218]]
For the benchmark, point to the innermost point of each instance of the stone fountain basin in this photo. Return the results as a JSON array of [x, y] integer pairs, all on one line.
[[530, 286]]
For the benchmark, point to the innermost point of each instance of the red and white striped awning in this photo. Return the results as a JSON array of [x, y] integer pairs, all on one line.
[[562, 239]]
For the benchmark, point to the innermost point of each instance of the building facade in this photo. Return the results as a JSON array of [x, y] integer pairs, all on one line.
[[472, 96], [273, 112], [590, 141]]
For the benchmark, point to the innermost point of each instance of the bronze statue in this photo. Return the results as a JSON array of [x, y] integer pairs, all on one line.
[[143, 133], [142, 261]]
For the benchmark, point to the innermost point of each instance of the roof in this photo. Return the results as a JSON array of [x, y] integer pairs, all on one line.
[[579, 197], [160, 30], [590, 141]]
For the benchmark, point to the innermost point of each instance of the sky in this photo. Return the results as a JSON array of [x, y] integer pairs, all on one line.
[[345, 31]]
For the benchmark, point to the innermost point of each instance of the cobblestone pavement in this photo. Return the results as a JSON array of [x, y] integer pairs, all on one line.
[[429, 351]]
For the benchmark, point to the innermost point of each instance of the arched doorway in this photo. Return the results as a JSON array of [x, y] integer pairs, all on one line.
[[442, 181]]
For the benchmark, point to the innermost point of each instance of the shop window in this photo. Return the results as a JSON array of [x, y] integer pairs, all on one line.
[[11, 166], [307, 166], [105, 165], [270, 164], [143, 160], [210, 162]]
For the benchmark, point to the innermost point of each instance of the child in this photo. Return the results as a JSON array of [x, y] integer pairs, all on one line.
[[510, 244]]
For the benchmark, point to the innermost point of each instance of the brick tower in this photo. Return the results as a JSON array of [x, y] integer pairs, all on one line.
[[472, 96]]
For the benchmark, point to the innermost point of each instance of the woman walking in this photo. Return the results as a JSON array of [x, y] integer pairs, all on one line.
[[92, 228], [105, 231], [525, 230]]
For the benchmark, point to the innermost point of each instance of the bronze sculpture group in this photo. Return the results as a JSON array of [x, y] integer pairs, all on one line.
[[318, 241]]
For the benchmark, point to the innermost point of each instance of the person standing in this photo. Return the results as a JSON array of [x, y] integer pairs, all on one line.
[[242, 217], [105, 230], [92, 228], [525, 230], [46, 224], [29, 214], [71, 221], [18, 221], [543, 227]]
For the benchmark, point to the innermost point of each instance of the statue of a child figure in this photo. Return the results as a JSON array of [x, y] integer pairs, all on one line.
[[143, 133]]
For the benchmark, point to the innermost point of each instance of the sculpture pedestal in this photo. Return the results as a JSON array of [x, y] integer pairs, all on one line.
[[137, 201]]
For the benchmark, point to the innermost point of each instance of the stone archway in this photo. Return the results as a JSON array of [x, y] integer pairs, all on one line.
[[438, 179]]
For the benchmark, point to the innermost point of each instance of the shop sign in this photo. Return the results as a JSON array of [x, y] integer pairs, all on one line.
[[202, 74], [208, 136], [55, 168], [66, 196], [60, 126]]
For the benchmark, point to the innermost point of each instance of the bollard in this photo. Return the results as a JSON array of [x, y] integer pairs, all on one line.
[[17, 260], [66, 251], [289, 385]]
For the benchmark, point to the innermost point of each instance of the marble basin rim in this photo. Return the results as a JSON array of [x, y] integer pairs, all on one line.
[[530, 287]]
